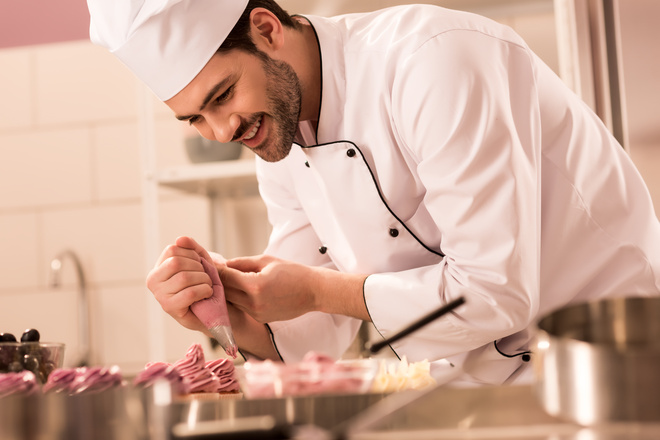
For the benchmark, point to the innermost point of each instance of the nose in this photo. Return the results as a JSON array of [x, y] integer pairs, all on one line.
[[222, 129]]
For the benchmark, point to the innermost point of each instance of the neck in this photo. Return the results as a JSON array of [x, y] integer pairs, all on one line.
[[306, 61]]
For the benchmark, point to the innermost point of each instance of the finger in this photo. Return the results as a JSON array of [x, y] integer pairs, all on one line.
[[184, 316], [236, 306], [181, 281], [237, 298], [232, 278], [178, 304], [248, 264], [177, 251], [173, 265], [190, 243]]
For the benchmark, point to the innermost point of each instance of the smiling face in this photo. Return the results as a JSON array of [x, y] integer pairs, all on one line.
[[245, 98]]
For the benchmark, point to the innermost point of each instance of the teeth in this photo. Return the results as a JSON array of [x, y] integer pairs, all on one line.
[[251, 134]]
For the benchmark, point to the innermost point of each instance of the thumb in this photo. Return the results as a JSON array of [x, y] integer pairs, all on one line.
[[248, 264], [235, 279]]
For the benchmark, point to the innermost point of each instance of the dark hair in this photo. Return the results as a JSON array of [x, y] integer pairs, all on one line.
[[239, 37]]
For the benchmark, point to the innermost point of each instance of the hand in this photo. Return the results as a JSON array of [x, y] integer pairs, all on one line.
[[178, 280], [269, 289], [251, 336]]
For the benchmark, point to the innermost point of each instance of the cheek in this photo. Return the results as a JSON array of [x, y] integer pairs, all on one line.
[[252, 95]]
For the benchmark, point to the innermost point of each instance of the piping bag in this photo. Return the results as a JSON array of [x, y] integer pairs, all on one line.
[[212, 311]]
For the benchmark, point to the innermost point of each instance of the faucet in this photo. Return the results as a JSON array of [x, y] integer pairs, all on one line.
[[84, 328]]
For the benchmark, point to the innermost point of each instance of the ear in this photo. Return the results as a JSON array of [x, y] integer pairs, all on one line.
[[266, 30]]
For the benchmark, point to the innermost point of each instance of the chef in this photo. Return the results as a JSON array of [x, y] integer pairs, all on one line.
[[407, 157]]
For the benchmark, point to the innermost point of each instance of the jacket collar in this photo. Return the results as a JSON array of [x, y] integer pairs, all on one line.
[[333, 82]]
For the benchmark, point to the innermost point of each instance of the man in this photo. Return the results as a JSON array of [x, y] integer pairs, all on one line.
[[407, 157]]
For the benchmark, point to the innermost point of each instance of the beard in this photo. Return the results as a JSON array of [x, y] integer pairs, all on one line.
[[284, 96]]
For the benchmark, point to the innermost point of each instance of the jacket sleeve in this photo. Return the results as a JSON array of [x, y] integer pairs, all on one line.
[[294, 239], [465, 107]]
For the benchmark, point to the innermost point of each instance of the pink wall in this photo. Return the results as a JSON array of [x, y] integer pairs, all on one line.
[[27, 22]]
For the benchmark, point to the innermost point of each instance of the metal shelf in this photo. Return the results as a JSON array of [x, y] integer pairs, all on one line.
[[213, 179]]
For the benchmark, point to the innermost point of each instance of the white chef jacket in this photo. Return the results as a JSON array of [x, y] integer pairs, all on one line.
[[450, 161]]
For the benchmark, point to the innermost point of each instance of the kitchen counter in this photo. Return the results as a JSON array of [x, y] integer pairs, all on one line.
[[506, 412]]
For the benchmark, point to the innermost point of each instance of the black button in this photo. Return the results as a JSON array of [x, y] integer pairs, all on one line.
[[323, 249], [350, 152], [307, 164], [394, 232]]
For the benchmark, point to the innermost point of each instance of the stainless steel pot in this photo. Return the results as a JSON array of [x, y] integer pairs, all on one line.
[[600, 361]]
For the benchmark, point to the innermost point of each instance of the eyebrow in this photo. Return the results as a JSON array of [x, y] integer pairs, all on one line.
[[208, 98]]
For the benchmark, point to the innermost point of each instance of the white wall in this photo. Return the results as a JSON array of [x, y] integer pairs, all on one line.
[[70, 178]]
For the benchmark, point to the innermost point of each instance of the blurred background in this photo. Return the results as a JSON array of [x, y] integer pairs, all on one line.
[[95, 178]]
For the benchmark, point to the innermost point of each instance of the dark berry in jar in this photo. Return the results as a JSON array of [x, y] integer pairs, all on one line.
[[7, 337], [31, 362], [15, 367], [9, 352], [48, 367], [30, 335]]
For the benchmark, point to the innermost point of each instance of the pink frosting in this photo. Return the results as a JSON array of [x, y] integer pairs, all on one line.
[[84, 380], [60, 380], [96, 379], [156, 371], [315, 358], [195, 376], [315, 374], [24, 382], [224, 370]]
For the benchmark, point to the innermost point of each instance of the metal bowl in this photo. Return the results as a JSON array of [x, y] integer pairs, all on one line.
[[600, 361], [202, 150]]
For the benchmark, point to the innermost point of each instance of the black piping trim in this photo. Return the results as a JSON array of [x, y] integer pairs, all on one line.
[[242, 355], [272, 338], [439, 253], [525, 355], [372, 321]]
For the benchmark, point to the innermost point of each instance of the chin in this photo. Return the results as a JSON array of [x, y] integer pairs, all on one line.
[[271, 153]]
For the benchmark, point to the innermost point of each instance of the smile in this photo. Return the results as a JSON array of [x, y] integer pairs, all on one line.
[[254, 130]]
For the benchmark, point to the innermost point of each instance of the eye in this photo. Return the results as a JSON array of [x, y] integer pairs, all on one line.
[[193, 119], [224, 96]]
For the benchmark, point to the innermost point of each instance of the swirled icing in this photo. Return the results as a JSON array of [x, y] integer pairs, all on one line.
[[24, 382], [84, 380], [224, 370], [195, 376], [156, 371]]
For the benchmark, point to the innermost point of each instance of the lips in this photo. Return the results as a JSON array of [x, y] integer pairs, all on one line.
[[253, 135], [254, 130]]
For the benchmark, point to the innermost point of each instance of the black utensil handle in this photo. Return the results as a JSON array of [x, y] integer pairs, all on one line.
[[377, 346]]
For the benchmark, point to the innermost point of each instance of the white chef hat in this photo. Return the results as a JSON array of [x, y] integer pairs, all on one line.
[[166, 43]]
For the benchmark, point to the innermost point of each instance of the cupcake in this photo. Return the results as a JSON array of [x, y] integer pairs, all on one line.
[[81, 380], [192, 378], [315, 374], [21, 383], [161, 371], [60, 380], [200, 382], [225, 372]]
